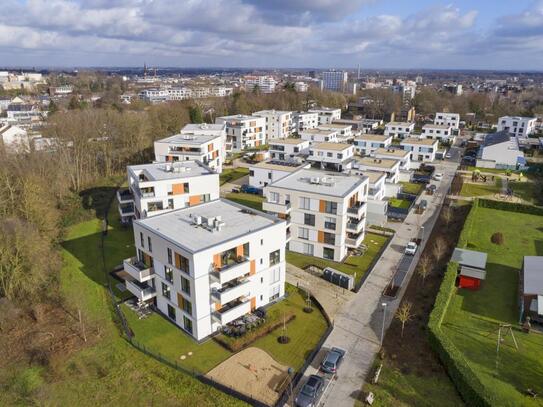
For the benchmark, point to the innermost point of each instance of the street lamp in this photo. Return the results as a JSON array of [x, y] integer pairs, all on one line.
[[384, 305]]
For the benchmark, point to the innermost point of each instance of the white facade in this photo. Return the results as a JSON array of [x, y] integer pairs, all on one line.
[[397, 154], [207, 266], [278, 123], [334, 80], [287, 149], [447, 119], [500, 150], [266, 84], [305, 120], [325, 211], [367, 144], [331, 156], [518, 126], [243, 132], [377, 204], [421, 150], [438, 132], [344, 131], [389, 166], [326, 114], [301, 86], [319, 136], [196, 142], [157, 188], [13, 139], [264, 173], [399, 129]]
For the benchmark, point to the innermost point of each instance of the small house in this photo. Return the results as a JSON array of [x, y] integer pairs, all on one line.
[[472, 268], [532, 287]]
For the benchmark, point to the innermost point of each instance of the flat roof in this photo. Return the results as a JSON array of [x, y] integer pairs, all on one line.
[[469, 258], [422, 141], [436, 126], [289, 140], [324, 109], [396, 152], [335, 126], [196, 127], [533, 275], [179, 169], [373, 137], [272, 111], [239, 117], [373, 176], [178, 225], [331, 146], [400, 124], [192, 139], [329, 183], [278, 165], [317, 131], [377, 162]]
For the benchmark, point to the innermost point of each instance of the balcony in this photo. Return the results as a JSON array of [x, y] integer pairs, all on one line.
[[138, 269], [125, 196], [289, 235], [354, 241], [231, 291], [355, 225], [276, 207], [142, 291], [232, 311], [231, 271], [126, 210], [357, 209]]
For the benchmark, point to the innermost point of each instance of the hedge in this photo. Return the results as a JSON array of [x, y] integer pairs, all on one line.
[[510, 206], [466, 382]]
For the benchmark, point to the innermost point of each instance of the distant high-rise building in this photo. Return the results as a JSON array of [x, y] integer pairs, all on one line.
[[334, 80], [418, 80]]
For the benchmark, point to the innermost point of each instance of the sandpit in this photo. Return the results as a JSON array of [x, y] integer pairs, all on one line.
[[252, 372]]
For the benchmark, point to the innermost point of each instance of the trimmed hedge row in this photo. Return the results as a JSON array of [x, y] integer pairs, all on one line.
[[511, 207], [466, 382]]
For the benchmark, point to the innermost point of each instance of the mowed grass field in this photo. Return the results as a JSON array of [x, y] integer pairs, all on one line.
[[473, 317], [232, 174], [251, 200], [481, 189]]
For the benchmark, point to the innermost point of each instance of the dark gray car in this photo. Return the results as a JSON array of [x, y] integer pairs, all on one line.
[[310, 392], [333, 359]]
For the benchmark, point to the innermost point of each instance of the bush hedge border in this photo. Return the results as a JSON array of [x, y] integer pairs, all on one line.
[[511, 207]]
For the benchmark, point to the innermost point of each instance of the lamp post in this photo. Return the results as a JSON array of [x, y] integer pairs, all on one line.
[[384, 305]]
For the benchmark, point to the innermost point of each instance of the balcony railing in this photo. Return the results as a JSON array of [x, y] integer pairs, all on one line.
[[357, 209], [277, 207], [142, 291], [138, 269], [354, 241], [126, 210], [232, 311], [231, 271], [355, 225], [231, 291], [125, 196]]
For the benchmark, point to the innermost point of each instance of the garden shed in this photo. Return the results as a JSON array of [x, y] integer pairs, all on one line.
[[472, 267]]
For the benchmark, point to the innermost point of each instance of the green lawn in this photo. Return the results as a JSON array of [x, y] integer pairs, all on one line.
[[528, 191], [232, 174], [352, 265], [251, 200], [490, 170], [109, 371], [412, 188], [473, 316], [480, 189], [399, 389], [399, 203]]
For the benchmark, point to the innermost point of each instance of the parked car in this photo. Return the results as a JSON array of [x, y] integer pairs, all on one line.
[[422, 205], [438, 176], [430, 189], [448, 155], [420, 179], [469, 159], [332, 360], [411, 248], [235, 190], [248, 189], [311, 392]]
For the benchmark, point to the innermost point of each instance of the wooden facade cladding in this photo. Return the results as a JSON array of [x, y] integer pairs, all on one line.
[[210, 147], [239, 250], [178, 189], [322, 206], [253, 303], [321, 236], [252, 269], [217, 260], [194, 200]]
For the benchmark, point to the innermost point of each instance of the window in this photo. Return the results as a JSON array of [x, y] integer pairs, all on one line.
[[182, 263], [309, 219], [269, 175], [251, 173], [149, 243], [275, 257], [170, 256], [186, 188], [330, 207], [166, 291], [261, 242], [274, 197], [330, 223], [171, 312], [141, 240], [303, 233], [206, 198], [305, 203], [246, 249], [186, 305], [329, 154], [261, 298], [329, 238], [185, 285], [187, 323], [328, 253], [261, 261], [307, 248], [168, 274], [339, 155]]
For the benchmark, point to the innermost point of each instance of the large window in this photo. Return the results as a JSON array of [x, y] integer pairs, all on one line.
[[303, 233], [274, 292], [305, 203], [275, 257], [142, 242], [329, 238], [330, 223], [187, 306], [168, 274], [182, 263], [171, 312], [307, 248], [328, 253], [330, 207], [185, 285], [187, 323], [309, 219], [275, 275], [170, 260], [166, 291], [150, 244], [274, 197]]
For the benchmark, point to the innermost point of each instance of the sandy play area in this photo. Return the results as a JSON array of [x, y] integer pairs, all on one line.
[[252, 372]]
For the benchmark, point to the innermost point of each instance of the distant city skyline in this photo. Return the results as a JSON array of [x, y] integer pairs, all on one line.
[[323, 34]]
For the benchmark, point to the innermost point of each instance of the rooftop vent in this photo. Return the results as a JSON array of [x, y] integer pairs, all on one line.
[[314, 180]]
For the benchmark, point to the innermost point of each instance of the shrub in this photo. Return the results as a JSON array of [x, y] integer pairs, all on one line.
[[510, 206], [497, 238]]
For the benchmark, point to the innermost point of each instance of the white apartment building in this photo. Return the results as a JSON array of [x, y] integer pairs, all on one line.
[[266, 84], [325, 211], [157, 188], [266, 172], [243, 131], [304, 120], [207, 266], [518, 126], [399, 129], [319, 135], [301, 86], [196, 142], [326, 114], [500, 150], [367, 144], [334, 80], [389, 166], [288, 148], [278, 123], [331, 156], [377, 204], [421, 149], [361, 125], [400, 154], [344, 131], [14, 139], [447, 119], [439, 132]]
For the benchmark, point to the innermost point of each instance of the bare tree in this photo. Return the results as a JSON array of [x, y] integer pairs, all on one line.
[[403, 314], [425, 267], [447, 214], [439, 248]]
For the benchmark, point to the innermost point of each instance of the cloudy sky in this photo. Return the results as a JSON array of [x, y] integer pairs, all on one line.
[[473, 34]]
